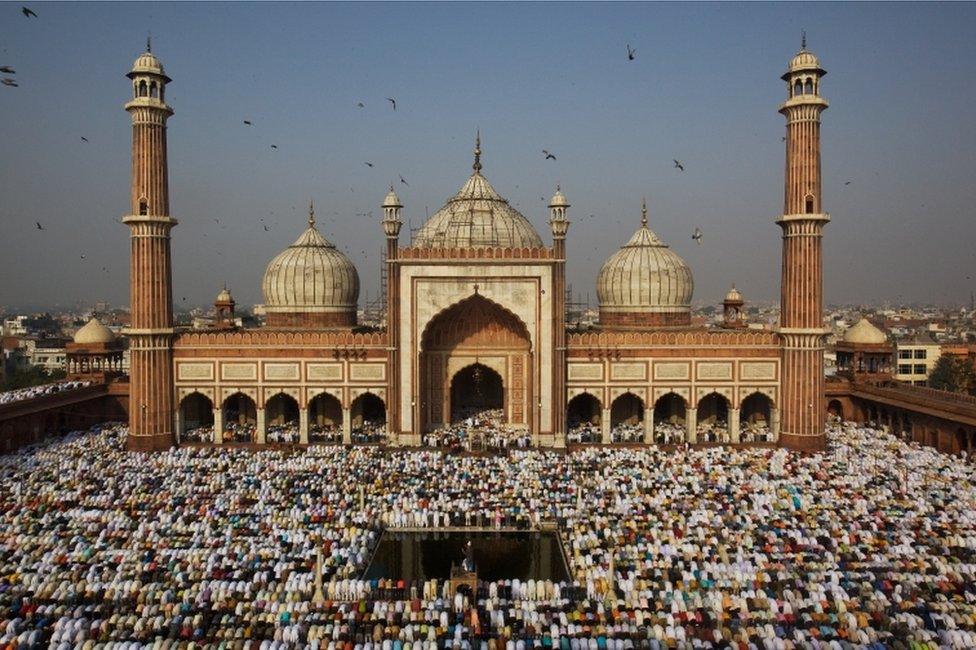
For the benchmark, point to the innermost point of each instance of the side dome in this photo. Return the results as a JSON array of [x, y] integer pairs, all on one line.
[[864, 332], [477, 217], [94, 332], [645, 284], [311, 284]]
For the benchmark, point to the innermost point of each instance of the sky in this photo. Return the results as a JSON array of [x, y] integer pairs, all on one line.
[[704, 88]]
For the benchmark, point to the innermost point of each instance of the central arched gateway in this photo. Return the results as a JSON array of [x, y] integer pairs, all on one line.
[[475, 355]]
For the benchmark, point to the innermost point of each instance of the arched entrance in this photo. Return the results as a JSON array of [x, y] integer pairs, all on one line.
[[713, 418], [368, 419], [479, 334], [755, 418], [627, 419], [476, 392], [240, 418], [282, 418], [325, 419], [670, 411], [583, 418], [835, 410], [197, 418]]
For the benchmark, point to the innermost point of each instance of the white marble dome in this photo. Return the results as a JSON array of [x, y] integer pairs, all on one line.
[[310, 275], [94, 332], [645, 276], [477, 217], [863, 331]]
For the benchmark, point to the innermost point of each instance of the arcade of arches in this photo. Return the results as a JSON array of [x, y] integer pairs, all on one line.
[[476, 356]]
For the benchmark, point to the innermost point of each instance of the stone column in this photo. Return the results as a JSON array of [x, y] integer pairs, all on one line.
[[691, 422], [346, 426], [261, 436], [734, 425], [774, 424], [605, 427], [303, 426], [218, 417], [648, 427]]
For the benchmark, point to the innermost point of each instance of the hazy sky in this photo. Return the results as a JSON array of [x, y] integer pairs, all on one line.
[[704, 88]]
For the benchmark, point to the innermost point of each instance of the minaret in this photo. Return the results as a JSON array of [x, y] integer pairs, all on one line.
[[801, 302], [151, 328], [559, 225], [391, 228]]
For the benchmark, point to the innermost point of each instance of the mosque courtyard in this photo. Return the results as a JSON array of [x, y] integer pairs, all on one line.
[[870, 544]]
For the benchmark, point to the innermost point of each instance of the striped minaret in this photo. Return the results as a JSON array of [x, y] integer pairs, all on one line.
[[801, 328], [151, 327]]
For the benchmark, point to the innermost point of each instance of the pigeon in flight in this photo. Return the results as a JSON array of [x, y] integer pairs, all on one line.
[[247, 122], [274, 146], [27, 12], [392, 101], [84, 139], [631, 53], [9, 82], [697, 236], [847, 183], [548, 155], [403, 181], [6, 69], [266, 229], [39, 226], [361, 105], [678, 165], [368, 164]]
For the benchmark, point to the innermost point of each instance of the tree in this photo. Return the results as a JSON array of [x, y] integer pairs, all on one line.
[[953, 374]]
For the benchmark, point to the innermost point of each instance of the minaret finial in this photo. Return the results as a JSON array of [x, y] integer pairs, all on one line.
[[149, 41], [477, 153], [803, 39], [311, 213], [644, 212]]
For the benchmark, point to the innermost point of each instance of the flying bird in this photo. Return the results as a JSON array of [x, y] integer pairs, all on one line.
[[266, 229], [248, 122], [784, 138], [631, 53], [392, 101], [847, 183], [84, 139], [274, 146], [697, 236], [39, 226], [361, 105], [82, 257], [368, 164], [6, 69], [403, 181], [678, 164], [548, 155], [9, 82], [27, 12]]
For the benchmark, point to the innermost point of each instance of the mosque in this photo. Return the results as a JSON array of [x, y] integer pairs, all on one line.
[[475, 319]]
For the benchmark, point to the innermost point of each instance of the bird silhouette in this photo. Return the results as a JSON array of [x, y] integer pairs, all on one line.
[[266, 229], [247, 122], [361, 105], [678, 164], [784, 138], [403, 181], [368, 164], [6, 69], [274, 146], [697, 236], [82, 257], [27, 12], [847, 183], [392, 101], [631, 53], [84, 139], [548, 155], [9, 82], [39, 226]]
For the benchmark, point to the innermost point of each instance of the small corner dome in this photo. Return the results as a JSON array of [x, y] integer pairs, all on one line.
[[864, 332], [392, 200], [558, 200], [147, 63], [94, 332], [804, 61], [224, 296], [733, 295]]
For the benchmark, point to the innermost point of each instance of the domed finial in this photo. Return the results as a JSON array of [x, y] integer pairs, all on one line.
[[644, 212], [149, 42], [803, 39], [477, 153], [311, 213]]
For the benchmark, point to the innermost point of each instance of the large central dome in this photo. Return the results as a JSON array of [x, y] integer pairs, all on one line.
[[477, 217]]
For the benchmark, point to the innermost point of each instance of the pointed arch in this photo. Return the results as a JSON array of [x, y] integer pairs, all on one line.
[[368, 413], [240, 417]]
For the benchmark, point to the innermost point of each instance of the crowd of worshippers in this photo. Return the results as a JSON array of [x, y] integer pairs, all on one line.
[[667, 433], [33, 392], [478, 429], [869, 544]]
